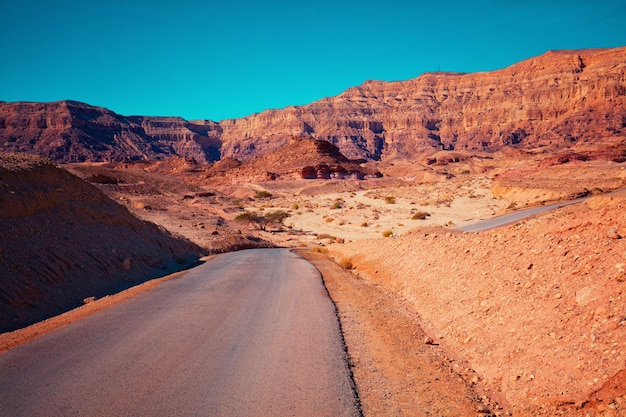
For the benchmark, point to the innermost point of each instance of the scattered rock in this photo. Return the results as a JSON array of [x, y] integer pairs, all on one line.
[[429, 340], [586, 295], [126, 264], [613, 234]]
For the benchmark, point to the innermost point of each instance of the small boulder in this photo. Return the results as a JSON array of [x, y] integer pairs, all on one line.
[[613, 234]]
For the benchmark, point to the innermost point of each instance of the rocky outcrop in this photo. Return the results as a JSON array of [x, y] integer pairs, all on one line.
[[572, 100], [69, 131], [298, 159], [62, 240]]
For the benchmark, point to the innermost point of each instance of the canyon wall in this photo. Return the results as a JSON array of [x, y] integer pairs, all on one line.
[[559, 100], [69, 131], [563, 99]]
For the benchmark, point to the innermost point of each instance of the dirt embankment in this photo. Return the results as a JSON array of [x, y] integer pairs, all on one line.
[[536, 309], [553, 180], [62, 240]]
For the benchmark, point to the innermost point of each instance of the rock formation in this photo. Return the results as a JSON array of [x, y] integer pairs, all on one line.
[[62, 240], [574, 100], [562, 99], [69, 131], [298, 159]]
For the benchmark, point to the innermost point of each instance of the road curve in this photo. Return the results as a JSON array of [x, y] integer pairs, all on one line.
[[518, 215], [250, 333], [513, 217]]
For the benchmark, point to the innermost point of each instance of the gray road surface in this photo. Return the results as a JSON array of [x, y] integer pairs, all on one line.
[[250, 333], [518, 215], [513, 217]]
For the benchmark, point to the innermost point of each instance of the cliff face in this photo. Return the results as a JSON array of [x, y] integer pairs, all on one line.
[[62, 240], [69, 131], [563, 99], [557, 100]]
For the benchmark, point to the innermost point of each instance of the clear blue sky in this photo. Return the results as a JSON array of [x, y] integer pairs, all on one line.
[[225, 59]]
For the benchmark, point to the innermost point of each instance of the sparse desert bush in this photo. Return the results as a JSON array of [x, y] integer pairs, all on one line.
[[262, 194], [262, 220], [295, 206], [346, 263], [420, 215], [390, 200], [387, 233], [319, 250], [364, 224], [328, 219], [247, 217], [336, 205]]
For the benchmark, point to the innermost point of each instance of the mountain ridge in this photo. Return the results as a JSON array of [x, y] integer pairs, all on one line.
[[567, 99]]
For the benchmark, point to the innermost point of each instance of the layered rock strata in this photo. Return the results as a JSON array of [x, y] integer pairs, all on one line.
[[70, 131], [573, 100], [562, 99]]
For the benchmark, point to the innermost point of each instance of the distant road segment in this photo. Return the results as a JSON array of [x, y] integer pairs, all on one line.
[[518, 215], [250, 333], [513, 217]]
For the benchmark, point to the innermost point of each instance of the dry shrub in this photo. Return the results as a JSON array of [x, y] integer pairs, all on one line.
[[328, 219], [320, 250], [364, 224], [390, 200], [346, 263], [387, 233], [420, 215]]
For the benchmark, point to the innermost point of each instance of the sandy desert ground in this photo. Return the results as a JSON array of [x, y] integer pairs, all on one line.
[[523, 320]]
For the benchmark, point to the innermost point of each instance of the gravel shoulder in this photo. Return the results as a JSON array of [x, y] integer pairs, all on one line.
[[397, 370]]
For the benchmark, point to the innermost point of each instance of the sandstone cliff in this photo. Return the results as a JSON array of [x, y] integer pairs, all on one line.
[[69, 131], [563, 99], [62, 240], [574, 100]]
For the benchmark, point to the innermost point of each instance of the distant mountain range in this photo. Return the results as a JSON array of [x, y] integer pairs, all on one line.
[[561, 100]]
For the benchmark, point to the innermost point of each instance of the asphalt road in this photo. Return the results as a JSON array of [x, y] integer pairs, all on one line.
[[250, 333], [518, 215], [513, 217]]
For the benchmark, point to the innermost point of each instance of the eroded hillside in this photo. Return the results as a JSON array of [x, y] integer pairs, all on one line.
[[62, 240]]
